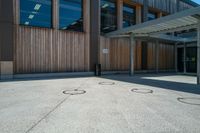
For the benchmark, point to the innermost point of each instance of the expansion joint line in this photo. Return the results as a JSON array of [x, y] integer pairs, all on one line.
[[47, 114], [51, 111]]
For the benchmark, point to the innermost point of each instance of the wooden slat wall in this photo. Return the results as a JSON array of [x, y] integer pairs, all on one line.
[[164, 5], [118, 57], [138, 55], [151, 56], [166, 57], [60, 51], [47, 50]]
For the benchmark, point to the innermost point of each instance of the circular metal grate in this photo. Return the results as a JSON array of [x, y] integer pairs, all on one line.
[[189, 100], [74, 92], [141, 90], [106, 83]]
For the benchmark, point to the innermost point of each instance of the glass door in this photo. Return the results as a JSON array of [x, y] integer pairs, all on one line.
[[180, 60], [191, 59]]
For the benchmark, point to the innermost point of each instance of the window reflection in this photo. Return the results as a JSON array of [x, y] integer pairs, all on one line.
[[108, 16], [152, 15], [71, 15], [36, 13], [128, 15]]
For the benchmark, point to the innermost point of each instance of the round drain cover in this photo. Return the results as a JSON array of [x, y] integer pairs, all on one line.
[[191, 101], [106, 83], [74, 92], [141, 90]]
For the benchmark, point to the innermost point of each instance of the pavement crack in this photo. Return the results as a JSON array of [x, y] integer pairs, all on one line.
[[61, 102], [44, 117]]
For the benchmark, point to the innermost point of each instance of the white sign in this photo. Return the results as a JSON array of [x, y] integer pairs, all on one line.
[[105, 51]]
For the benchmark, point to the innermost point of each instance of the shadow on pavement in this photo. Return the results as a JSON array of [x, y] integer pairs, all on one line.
[[176, 86], [42, 78]]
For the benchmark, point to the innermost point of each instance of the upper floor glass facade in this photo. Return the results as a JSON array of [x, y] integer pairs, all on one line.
[[36, 13], [129, 16], [152, 15], [71, 15], [108, 16]]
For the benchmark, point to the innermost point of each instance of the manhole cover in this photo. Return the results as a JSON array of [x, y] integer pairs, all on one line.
[[106, 83], [141, 90], [191, 101], [74, 92]]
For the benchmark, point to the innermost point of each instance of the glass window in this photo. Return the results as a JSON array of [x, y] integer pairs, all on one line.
[[36, 13], [108, 16], [71, 15], [163, 15], [128, 16], [151, 15]]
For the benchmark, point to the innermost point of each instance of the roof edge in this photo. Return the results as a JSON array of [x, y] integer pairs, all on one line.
[[192, 3]]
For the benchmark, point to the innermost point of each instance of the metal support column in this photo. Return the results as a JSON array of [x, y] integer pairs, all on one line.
[[119, 14], [176, 58], [132, 57], [184, 60], [198, 53], [157, 56], [177, 5]]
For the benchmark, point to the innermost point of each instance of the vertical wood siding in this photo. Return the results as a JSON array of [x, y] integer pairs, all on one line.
[[43, 50], [164, 5], [151, 56], [118, 57], [138, 55], [166, 57]]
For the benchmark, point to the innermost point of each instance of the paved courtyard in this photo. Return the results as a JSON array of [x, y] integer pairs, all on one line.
[[111, 104]]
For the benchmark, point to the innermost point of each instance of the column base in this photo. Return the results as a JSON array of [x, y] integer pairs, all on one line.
[[6, 70], [198, 80]]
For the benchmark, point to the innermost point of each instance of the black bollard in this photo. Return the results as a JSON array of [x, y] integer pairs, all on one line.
[[97, 69]]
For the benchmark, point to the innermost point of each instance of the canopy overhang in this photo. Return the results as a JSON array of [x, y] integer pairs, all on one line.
[[166, 38], [184, 20]]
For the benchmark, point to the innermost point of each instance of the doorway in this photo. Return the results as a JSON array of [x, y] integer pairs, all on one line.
[[191, 59]]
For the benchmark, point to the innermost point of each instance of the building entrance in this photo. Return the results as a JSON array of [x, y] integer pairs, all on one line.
[[191, 60]]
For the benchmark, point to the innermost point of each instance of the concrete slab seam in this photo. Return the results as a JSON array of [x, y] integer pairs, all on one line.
[[45, 116], [32, 127]]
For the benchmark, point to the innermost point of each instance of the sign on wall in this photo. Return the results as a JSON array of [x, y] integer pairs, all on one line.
[[105, 51]]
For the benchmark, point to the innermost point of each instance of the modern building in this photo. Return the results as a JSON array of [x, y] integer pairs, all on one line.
[[54, 36]]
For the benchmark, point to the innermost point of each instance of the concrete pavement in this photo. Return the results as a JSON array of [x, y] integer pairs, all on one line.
[[39, 106]]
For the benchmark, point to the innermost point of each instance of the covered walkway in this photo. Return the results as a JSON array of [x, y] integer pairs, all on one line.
[[157, 29]]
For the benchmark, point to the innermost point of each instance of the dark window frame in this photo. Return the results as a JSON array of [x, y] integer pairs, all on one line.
[[33, 26], [130, 6], [152, 12], [115, 3]]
